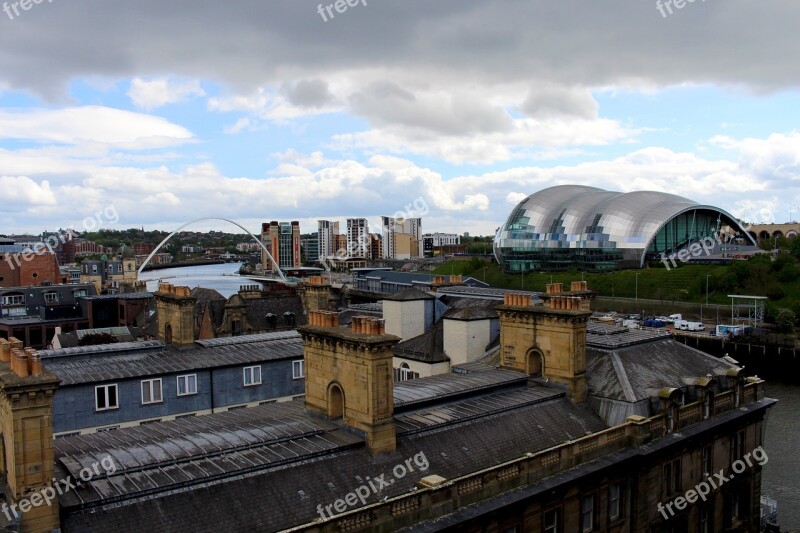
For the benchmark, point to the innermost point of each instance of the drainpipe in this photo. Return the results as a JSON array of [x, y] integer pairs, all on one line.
[[211, 379]]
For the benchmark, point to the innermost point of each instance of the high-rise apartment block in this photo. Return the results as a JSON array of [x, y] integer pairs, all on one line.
[[402, 237], [358, 240], [328, 231]]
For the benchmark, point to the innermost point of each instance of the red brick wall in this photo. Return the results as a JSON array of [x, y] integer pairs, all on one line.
[[9, 273], [39, 268]]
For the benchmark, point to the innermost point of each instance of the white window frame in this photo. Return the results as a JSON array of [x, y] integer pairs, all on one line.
[[708, 459], [151, 389], [187, 380], [14, 299], [299, 364], [555, 516], [106, 397], [587, 512], [250, 371], [614, 501], [51, 298]]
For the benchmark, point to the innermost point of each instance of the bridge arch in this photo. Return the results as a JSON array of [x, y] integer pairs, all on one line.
[[256, 239]]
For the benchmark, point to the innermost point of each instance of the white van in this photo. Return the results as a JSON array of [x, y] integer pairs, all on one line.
[[676, 317], [695, 326], [681, 325]]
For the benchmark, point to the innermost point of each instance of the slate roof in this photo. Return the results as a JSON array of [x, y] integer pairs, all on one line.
[[425, 348], [120, 296], [637, 372], [485, 293], [214, 301], [466, 379], [471, 313], [232, 472], [103, 368], [258, 308], [611, 336], [408, 295]]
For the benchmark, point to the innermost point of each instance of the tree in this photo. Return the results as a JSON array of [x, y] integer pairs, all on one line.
[[784, 320]]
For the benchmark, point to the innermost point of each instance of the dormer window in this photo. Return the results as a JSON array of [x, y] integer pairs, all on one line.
[[708, 398]]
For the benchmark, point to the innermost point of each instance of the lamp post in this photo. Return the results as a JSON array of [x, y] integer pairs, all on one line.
[[637, 286], [707, 276]]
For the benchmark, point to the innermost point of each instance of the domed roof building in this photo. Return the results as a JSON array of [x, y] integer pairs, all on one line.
[[575, 226]]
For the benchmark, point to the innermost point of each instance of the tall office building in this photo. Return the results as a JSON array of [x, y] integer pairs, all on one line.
[[401, 237], [283, 241], [310, 248], [358, 240], [328, 230]]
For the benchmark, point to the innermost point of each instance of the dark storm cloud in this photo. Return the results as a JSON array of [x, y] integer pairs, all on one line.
[[248, 43]]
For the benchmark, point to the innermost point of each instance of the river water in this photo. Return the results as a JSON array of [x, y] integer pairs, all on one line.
[[781, 473], [223, 278]]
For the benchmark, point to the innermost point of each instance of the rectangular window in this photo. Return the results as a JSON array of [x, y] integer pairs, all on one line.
[[705, 520], [708, 460], [614, 500], [737, 446], [587, 513], [18, 299], [252, 375], [552, 521], [105, 397], [671, 477], [151, 391], [734, 507], [298, 370], [187, 384], [51, 297]]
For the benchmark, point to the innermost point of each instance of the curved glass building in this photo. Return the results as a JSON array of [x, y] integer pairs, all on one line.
[[574, 226]]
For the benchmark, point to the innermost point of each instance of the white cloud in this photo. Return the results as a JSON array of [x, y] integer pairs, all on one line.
[[156, 93], [91, 124], [21, 191]]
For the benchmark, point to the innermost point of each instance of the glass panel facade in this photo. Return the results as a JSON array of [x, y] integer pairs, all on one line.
[[572, 226]]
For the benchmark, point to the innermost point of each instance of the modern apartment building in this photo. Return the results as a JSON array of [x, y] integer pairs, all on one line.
[[328, 230], [402, 237], [283, 241], [358, 239]]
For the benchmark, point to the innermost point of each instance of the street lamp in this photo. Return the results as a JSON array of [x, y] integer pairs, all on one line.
[[707, 276], [637, 286]]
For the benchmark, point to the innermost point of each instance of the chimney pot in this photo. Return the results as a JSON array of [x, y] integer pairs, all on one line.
[[21, 367], [35, 363]]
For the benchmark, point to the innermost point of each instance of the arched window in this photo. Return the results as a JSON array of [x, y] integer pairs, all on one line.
[[335, 401]]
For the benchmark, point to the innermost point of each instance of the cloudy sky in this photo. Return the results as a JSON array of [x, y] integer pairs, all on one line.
[[269, 109]]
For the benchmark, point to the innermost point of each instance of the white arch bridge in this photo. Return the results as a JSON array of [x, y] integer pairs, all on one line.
[[256, 239]]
